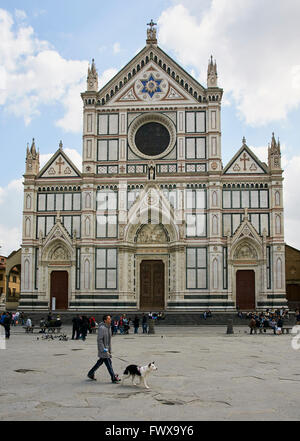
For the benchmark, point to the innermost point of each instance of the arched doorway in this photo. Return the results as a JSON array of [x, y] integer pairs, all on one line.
[[245, 289], [152, 285], [59, 285]]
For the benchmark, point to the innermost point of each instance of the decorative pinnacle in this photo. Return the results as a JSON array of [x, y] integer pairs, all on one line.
[[61, 145], [244, 140]]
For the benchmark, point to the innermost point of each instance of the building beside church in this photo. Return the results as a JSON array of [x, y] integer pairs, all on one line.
[[153, 220]]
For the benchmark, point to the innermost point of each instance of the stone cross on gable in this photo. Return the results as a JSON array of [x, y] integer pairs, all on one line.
[[244, 158], [151, 33], [60, 163]]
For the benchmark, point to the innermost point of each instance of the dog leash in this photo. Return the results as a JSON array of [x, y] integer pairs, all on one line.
[[118, 358]]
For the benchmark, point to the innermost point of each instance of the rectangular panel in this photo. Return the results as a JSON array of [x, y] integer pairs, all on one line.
[[113, 124], [100, 279], [112, 279], [200, 149], [226, 199], [191, 225], [254, 199], [76, 225], [201, 258], [41, 202], [191, 257], [245, 199], [264, 223], [236, 203], [264, 199], [201, 279], [49, 224], [68, 202], [255, 221], [214, 149], [89, 123], [191, 279], [112, 200], [201, 199], [76, 201], [190, 199], [67, 221], [236, 220], [190, 148], [41, 220], [103, 124], [190, 122], [89, 148], [226, 224], [101, 258], [111, 226], [113, 150], [59, 202], [213, 120], [101, 226], [102, 150], [200, 122], [201, 225], [101, 200], [50, 202], [111, 258]]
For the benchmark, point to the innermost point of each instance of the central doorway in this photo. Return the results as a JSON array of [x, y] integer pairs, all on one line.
[[152, 286], [59, 289], [245, 290]]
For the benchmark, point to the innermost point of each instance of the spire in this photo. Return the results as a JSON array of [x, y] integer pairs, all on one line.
[[151, 33], [92, 78], [60, 145], [33, 149], [274, 154], [244, 140], [212, 74]]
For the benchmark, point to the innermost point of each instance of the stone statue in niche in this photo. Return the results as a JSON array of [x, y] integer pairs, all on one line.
[[151, 173]]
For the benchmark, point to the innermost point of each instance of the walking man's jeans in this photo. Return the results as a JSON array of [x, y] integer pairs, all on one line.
[[108, 364], [144, 325]]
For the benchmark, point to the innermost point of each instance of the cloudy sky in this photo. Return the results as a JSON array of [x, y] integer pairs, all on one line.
[[45, 48]]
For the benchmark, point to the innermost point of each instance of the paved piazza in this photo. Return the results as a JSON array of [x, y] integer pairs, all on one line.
[[203, 374]]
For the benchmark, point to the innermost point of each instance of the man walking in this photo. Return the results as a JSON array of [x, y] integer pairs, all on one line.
[[104, 350]]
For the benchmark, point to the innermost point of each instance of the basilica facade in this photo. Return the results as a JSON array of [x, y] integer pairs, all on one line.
[[153, 221]]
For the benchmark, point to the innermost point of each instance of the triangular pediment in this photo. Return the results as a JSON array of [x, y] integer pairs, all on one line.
[[59, 166], [246, 231], [245, 162], [151, 77]]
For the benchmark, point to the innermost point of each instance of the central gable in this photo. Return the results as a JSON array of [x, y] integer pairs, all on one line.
[[150, 77]]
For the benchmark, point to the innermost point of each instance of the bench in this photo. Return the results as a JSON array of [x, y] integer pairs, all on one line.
[[284, 329]]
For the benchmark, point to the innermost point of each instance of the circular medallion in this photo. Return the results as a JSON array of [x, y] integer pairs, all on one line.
[[152, 136], [214, 166]]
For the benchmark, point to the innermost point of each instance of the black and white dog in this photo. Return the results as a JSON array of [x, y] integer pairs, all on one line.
[[139, 371]]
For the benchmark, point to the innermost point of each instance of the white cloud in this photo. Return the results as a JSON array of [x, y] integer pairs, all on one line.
[[116, 47], [73, 154], [11, 199], [106, 76], [20, 14], [256, 45], [34, 74]]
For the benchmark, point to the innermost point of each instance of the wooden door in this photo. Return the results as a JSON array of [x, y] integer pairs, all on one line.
[[152, 285], [59, 289], [245, 290]]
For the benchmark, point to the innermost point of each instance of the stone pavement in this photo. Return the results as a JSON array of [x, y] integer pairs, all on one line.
[[203, 374]]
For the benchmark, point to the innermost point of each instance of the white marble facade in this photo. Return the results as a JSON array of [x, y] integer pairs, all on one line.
[[147, 195]]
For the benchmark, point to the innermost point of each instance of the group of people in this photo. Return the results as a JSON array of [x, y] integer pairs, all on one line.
[[82, 325], [122, 324], [267, 319]]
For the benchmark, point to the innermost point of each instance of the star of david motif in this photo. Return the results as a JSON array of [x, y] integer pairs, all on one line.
[[151, 86]]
